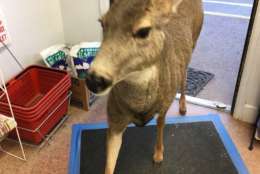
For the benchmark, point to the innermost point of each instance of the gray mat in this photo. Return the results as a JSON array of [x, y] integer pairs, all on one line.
[[196, 81], [190, 148]]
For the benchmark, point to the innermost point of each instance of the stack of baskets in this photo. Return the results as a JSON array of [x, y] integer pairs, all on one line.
[[39, 98]]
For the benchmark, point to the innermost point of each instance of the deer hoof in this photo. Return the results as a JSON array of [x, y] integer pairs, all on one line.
[[158, 157], [183, 111]]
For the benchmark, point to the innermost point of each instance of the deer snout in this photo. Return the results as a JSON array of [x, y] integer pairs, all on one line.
[[97, 83]]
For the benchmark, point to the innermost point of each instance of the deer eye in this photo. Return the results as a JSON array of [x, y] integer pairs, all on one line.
[[142, 32]]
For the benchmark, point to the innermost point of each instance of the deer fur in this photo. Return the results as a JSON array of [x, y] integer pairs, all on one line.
[[142, 75]]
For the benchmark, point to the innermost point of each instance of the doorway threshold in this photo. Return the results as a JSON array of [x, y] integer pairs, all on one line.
[[207, 103]]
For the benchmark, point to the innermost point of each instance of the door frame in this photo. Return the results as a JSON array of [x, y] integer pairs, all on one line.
[[244, 55], [246, 99]]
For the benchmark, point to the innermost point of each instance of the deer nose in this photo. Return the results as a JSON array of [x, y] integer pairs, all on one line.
[[96, 83]]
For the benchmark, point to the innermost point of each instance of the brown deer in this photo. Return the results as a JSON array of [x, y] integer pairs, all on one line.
[[146, 48]]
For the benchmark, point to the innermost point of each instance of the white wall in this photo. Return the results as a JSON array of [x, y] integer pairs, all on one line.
[[80, 20], [248, 99], [33, 25]]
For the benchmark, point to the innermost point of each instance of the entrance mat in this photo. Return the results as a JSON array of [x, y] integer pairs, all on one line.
[[196, 81], [193, 145]]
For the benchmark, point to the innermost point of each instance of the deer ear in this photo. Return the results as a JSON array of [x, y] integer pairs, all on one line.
[[175, 6], [162, 6], [113, 2], [166, 7]]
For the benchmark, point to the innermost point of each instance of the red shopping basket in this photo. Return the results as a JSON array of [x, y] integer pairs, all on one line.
[[36, 113], [33, 86], [35, 131], [39, 100]]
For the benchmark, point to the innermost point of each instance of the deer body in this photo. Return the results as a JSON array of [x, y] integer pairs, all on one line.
[[148, 71]]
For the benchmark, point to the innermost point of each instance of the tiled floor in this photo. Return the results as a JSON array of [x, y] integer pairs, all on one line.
[[53, 158]]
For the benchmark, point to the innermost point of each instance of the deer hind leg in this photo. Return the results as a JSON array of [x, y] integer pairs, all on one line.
[[159, 147], [182, 101], [114, 141]]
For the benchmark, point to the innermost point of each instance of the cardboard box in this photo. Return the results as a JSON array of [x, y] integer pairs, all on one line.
[[80, 93]]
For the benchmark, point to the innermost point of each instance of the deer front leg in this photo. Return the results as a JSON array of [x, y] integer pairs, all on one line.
[[159, 148], [182, 102], [114, 141]]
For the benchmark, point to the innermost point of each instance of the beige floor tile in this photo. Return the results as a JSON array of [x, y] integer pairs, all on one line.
[[53, 158]]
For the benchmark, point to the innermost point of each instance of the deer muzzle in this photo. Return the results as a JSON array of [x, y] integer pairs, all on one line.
[[97, 83]]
